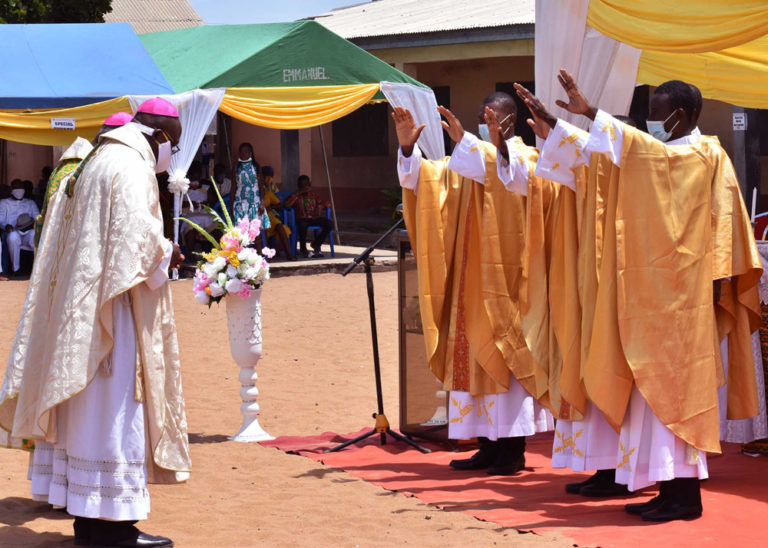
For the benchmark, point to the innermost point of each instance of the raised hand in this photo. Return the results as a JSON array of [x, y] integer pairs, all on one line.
[[494, 128], [577, 102], [542, 120], [407, 130], [451, 124]]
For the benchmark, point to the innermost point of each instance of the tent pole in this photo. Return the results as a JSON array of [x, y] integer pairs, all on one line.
[[330, 190]]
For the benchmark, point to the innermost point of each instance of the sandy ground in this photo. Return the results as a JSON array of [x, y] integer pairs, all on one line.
[[315, 375]]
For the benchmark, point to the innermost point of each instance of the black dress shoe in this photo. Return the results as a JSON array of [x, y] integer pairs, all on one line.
[[82, 527], [507, 468], [575, 488], [511, 457], [673, 510], [598, 490], [480, 460], [640, 508], [117, 534]]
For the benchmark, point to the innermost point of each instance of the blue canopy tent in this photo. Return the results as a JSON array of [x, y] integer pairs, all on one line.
[[67, 65]]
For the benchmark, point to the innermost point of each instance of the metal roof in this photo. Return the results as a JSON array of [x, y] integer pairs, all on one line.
[[153, 15], [400, 17]]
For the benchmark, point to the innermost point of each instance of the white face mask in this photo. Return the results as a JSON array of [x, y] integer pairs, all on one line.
[[18, 193], [164, 152], [163, 157], [248, 159], [656, 129]]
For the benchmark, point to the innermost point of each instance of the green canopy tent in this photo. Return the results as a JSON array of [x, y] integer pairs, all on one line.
[[288, 76]]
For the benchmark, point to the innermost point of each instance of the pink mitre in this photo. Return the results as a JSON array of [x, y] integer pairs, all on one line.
[[118, 119], [159, 107]]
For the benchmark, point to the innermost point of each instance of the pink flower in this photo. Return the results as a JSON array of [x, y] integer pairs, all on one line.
[[255, 228], [268, 252], [201, 281], [244, 225], [230, 243], [245, 292]]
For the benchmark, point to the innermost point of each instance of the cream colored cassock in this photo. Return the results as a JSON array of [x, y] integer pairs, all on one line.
[[78, 150], [659, 454], [510, 414], [93, 375]]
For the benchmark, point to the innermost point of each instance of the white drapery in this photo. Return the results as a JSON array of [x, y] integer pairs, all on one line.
[[422, 104], [196, 111], [606, 70]]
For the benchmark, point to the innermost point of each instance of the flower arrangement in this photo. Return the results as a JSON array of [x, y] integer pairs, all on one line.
[[233, 266]]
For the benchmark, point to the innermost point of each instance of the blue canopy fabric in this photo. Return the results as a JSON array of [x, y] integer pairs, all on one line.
[[68, 65]]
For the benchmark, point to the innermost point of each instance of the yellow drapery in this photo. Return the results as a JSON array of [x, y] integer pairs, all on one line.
[[737, 75], [682, 26], [295, 108], [34, 126], [279, 108]]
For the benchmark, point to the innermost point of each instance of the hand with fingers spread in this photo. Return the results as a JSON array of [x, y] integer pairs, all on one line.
[[494, 128], [542, 119], [451, 124], [577, 102], [407, 130]]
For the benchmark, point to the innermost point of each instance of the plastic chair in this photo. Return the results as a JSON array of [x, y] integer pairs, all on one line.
[[330, 234]]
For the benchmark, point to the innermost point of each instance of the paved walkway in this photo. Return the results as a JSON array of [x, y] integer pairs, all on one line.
[[384, 259]]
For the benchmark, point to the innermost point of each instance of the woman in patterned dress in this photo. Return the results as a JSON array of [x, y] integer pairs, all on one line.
[[248, 192]]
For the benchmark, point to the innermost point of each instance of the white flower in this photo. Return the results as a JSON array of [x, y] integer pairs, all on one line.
[[267, 252], [231, 272], [219, 263], [202, 297], [234, 285], [216, 289], [222, 279]]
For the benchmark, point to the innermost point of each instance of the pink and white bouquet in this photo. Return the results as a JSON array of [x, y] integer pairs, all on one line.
[[232, 266]]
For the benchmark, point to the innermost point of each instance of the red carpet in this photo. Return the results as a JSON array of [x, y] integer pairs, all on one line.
[[735, 498]]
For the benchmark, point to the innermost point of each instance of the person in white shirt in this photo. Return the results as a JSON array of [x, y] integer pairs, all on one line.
[[10, 210]]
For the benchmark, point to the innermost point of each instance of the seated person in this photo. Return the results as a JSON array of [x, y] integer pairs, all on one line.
[[222, 181], [18, 235], [268, 173], [309, 212], [199, 196], [277, 228]]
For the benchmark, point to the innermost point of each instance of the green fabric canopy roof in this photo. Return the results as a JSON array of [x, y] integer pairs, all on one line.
[[302, 53]]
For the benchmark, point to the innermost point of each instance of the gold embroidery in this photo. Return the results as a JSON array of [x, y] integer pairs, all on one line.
[[474, 149], [569, 441], [463, 411], [487, 408], [625, 458], [555, 166], [608, 128]]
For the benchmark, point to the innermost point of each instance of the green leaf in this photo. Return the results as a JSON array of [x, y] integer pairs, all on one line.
[[223, 205], [201, 230]]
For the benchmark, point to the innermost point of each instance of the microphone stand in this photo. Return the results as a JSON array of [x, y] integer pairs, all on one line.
[[381, 426]]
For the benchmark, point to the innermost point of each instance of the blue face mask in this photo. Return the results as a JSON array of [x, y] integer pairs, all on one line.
[[656, 129], [485, 133]]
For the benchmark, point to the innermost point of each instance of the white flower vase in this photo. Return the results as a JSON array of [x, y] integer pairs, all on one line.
[[244, 325]]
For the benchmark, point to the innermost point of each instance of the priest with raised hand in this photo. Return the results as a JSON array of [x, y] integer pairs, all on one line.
[[468, 240], [560, 238], [94, 375], [650, 369]]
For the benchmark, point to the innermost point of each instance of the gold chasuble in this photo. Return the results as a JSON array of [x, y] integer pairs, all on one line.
[[736, 261], [654, 314], [104, 241], [468, 280], [520, 323]]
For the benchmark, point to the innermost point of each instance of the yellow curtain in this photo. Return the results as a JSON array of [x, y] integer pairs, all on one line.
[[691, 26], [34, 126], [737, 75], [295, 108]]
